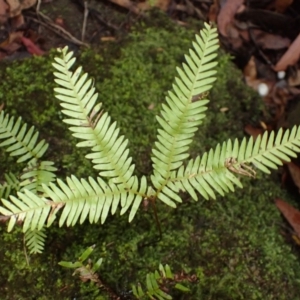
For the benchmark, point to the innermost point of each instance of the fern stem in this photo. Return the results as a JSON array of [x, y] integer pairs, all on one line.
[[153, 205]]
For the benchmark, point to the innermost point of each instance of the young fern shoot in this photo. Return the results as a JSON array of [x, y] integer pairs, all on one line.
[[216, 171]]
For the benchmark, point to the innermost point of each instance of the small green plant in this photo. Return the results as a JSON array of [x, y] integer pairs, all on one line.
[[155, 282], [24, 143], [117, 187]]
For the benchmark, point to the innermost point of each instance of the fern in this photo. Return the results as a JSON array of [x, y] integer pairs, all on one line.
[[78, 98], [215, 170], [11, 183], [76, 200], [154, 283], [36, 173], [35, 240], [182, 116], [22, 142]]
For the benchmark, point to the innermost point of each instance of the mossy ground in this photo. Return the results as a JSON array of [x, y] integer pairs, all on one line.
[[232, 244]]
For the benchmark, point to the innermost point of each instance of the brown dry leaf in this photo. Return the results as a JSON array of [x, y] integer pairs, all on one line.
[[224, 109], [17, 21], [290, 213], [226, 15], [253, 131], [151, 106], [290, 57], [13, 37], [250, 72], [295, 173], [269, 41], [282, 5], [3, 11], [108, 39], [162, 4], [128, 5], [213, 11], [294, 79], [11, 44], [16, 6]]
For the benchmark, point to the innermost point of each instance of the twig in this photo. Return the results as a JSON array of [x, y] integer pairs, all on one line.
[[94, 13], [259, 50], [47, 22], [85, 15], [38, 6]]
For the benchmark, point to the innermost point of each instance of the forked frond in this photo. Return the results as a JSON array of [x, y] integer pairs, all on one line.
[[185, 108], [11, 184], [89, 123], [217, 170], [77, 199], [20, 141], [35, 240]]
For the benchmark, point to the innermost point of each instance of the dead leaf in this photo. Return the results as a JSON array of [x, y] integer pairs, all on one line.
[[290, 57], [16, 6], [60, 22], [17, 21], [128, 5], [3, 11], [213, 12], [282, 5], [11, 44], [295, 173], [31, 47], [290, 213], [250, 72], [108, 39], [269, 41], [224, 109], [226, 15], [151, 106], [294, 79], [253, 131], [263, 125]]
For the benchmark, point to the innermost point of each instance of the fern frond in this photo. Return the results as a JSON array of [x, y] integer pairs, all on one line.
[[182, 114], [78, 199], [88, 122], [35, 240], [20, 141], [36, 174], [216, 170], [154, 283], [28, 209], [11, 183]]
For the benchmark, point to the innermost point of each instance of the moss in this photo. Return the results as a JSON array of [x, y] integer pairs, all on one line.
[[233, 244]]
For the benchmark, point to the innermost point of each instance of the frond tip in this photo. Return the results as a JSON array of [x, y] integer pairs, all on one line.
[[185, 107], [20, 141], [90, 123], [35, 240]]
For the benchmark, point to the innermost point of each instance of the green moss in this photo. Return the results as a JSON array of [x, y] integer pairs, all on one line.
[[232, 244]]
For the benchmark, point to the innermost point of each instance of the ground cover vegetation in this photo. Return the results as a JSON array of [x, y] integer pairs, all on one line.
[[231, 245]]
